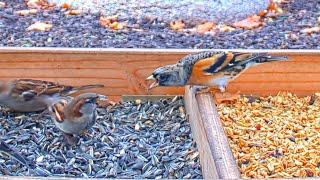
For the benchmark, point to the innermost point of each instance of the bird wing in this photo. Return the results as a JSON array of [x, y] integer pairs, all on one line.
[[4, 147], [29, 88], [222, 61], [58, 109], [76, 107]]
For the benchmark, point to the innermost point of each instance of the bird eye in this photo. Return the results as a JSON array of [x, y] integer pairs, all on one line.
[[90, 100], [163, 76]]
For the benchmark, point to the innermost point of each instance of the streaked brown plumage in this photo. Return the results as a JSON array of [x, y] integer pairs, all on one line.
[[29, 95], [75, 115]]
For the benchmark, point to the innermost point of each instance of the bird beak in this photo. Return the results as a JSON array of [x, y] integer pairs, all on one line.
[[154, 84], [150, 78]]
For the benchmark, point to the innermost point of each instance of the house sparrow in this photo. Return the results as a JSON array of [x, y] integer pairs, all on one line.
[[208, 68], [29, 95], [75, 115]]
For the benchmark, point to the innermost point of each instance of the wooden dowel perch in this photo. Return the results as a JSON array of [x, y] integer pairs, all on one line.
[[214, 135]]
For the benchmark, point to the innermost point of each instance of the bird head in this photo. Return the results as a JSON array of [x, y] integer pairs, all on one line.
[[91, 98], [170, 75], [84, 104]]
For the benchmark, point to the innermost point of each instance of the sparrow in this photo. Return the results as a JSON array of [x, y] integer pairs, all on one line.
[[208, 68], [73, 116], [29, 95]]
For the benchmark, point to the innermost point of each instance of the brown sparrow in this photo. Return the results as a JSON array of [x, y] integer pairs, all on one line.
[[29, 95], [75, 115]]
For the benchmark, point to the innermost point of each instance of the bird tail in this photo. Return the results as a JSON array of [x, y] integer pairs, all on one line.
[[263, 58], [4, 147], [79, 88]]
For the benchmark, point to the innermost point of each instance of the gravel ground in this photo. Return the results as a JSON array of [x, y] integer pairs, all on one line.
[[130, 140], [85, 31]]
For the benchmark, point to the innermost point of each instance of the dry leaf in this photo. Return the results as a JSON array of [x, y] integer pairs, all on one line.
[[206, 27], [225, 28], [111, 22], [40, 26], [2, 5], [249, 23], [106, 20], [73, 12], [43, 4], [33, 3], [177, 25], [26, 12], [311, 30], [117, 25], [274, 7], [263, 13], [66, 6]]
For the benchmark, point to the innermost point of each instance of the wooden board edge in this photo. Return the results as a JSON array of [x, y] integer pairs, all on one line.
[[147, 51], [225, 162], [208, 166], [151, 98]]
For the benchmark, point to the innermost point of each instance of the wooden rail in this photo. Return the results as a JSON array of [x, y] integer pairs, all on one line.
[[123, 71], [204, 141]]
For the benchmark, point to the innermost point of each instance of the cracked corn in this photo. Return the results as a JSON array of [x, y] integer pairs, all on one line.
[[275, 136]]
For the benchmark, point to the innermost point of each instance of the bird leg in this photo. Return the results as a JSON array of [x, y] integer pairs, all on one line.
[[85, 134], [70, 139], [41, 114]]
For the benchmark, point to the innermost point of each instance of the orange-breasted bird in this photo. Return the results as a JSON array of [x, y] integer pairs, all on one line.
[[208, 68]]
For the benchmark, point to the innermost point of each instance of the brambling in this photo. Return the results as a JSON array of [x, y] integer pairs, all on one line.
[[208, 68], [73, 116], [29, 95]]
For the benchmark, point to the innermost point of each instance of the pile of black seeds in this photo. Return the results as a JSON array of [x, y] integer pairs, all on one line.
[[130, 140], [84, 30]]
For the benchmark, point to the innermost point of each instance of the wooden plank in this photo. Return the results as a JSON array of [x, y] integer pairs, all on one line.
[[123, 71], [151, 98], [208, 165], [224, 160]]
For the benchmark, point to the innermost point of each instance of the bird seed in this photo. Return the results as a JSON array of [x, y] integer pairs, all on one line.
[[275, 136], [129, 140]]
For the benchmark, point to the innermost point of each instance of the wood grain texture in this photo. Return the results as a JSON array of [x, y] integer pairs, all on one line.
[[123, 71], [225, 162], [208, 165]]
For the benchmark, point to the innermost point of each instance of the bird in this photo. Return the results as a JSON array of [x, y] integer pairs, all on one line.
[[73, 116], [208, 68], [31, 95]]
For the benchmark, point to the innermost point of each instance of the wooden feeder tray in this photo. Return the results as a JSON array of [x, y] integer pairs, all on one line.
[[123, 72]]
